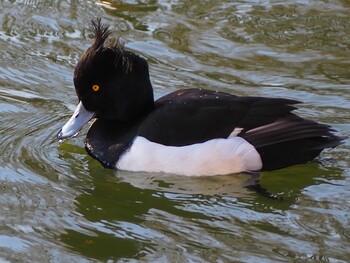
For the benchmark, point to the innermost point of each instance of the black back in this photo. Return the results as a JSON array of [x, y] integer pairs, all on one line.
[[192, 116]]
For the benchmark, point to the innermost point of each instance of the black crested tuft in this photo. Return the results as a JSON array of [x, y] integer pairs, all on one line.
[[102, 46], [101, 33], [102, 40]]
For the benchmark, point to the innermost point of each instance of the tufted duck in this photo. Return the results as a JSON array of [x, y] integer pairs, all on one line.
[[187, 132]]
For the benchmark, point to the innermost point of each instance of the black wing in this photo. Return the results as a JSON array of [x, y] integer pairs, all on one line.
[[290, 140], [192, 116], [281, 138]]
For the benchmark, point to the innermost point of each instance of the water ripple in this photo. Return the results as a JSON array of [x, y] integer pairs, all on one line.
[[59, 204]]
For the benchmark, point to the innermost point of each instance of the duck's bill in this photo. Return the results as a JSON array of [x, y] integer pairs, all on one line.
[[80, 117]]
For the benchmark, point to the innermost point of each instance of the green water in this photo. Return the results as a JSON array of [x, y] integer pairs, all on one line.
[[59, 205]]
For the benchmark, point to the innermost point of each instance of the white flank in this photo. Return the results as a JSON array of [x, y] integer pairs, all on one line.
[[213, 157]]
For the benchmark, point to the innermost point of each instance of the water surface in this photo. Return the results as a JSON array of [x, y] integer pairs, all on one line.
[[59, 205]]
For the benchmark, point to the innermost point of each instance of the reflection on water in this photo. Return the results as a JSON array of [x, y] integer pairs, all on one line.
[[58, 204]]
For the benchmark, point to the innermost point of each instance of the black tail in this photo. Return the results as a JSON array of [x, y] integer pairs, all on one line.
[[290, 140]]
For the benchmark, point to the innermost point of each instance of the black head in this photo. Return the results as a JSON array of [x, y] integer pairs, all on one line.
[[111, 81]]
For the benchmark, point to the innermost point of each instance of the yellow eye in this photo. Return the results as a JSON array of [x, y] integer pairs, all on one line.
[[95, 87]]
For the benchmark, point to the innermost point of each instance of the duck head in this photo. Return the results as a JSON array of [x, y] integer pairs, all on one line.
[[110, 82]]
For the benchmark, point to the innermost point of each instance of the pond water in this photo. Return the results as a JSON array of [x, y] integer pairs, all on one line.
[[60, 205]]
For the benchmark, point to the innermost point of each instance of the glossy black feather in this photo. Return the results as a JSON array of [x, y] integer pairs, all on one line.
[[107, 140]]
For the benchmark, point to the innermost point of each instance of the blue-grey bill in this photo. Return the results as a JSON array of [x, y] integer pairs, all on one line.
[[80, 117]]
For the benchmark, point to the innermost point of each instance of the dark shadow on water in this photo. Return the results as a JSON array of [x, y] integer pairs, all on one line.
[[289, 184], [117, 207]]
